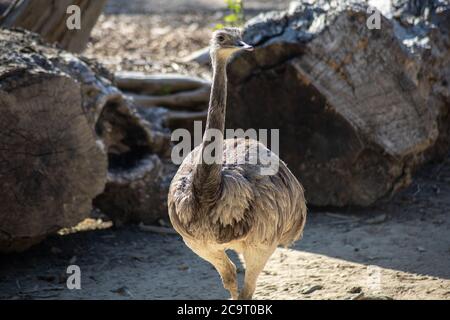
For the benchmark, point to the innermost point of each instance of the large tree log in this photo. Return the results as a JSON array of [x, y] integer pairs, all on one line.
[[137, 186], [48, 18], [67, 134], [51, 163], [171, 91], [186, 97], [358, 109], [157, 84], [135, 141]]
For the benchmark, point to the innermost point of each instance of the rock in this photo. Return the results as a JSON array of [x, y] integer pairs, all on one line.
[[358, 110], [362, 296], [421, 249], [359, 296], [183, 267], [377, 219], [123, 291], [355, 290], [309, 290]]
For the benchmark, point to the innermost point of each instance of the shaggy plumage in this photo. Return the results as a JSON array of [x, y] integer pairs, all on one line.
[[228, 205]]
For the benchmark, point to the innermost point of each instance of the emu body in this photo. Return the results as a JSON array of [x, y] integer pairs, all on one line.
[[229, 205]]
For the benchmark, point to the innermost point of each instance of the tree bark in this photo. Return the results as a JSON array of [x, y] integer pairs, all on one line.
[[358, 110], [48, 18], [52, 164], [70, 138]]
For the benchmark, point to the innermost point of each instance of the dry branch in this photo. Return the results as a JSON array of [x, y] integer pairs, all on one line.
[[193, 100], [200, 57], [141, 83]]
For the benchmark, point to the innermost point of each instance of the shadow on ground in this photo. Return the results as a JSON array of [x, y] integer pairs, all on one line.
[[409, 237], [409, 233]]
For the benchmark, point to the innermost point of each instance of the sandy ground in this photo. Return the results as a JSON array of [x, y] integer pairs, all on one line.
[[399, 249]]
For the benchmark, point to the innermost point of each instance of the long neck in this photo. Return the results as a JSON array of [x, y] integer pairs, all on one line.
[[207, 176], [218, 99]]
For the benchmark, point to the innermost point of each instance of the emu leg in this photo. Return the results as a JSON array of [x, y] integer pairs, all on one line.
[[224, 266], [255, 260]]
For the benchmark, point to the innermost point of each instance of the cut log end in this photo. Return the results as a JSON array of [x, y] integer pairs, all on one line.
[[52, 166], [353, 110]]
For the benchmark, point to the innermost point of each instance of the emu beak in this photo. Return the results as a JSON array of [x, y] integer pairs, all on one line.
[[244, 46]]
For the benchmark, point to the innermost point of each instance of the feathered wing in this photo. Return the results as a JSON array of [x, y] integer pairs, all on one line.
[[278, 208], [181, 201], [231, 216], [229, 219], [272, 207]]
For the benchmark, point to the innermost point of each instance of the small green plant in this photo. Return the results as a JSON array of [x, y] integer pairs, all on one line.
[[236, 16]]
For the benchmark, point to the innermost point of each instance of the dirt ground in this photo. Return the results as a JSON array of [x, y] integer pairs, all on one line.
[[398, 249], [154, 35]]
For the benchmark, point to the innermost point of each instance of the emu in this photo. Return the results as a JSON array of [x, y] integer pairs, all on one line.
[[227, 205]]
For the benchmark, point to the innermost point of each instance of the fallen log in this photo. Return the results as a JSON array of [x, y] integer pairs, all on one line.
[[133, 193], [52, 163], [184, 119], [358, 109], [170, 91], [157, 84], [192, 100], [69, 138]]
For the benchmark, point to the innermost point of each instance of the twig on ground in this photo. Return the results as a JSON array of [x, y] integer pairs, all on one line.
[[40, 290], [156, 229]]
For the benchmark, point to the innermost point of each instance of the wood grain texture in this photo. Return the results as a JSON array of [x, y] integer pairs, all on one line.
[[358, 110], [48, 18], [52, 164]]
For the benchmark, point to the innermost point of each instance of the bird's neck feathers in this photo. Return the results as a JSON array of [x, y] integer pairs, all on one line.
[[218, 98], [208, 176]]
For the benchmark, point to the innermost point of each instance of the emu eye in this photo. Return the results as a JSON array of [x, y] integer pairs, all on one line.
[[220, 38]]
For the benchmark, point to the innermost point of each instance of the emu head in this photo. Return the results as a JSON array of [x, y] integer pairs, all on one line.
[[225, 42]]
